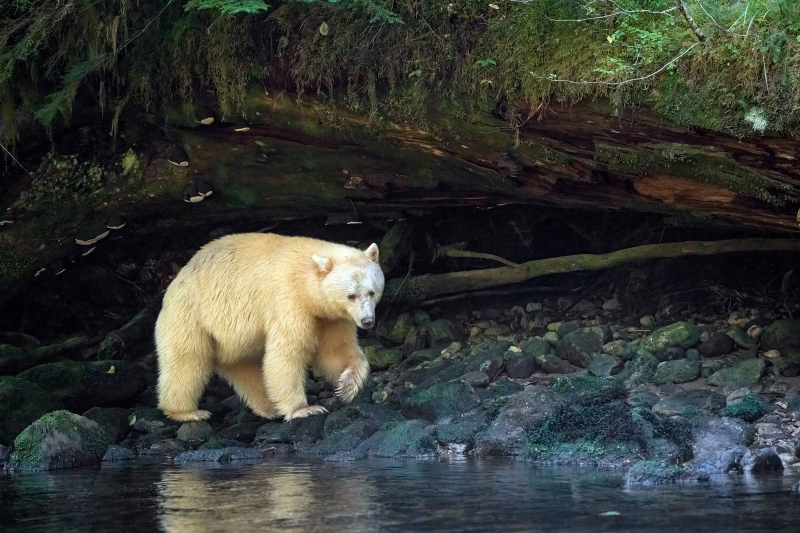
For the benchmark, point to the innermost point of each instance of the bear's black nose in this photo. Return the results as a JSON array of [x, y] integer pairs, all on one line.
[[367, 323]]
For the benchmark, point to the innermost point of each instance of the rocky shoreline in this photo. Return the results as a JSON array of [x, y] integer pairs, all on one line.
[[669, 398]]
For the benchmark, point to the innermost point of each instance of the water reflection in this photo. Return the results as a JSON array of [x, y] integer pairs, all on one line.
[[294, 495]]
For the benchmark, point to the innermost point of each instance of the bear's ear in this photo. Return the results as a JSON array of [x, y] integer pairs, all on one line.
[[323, 263], [372, 252]]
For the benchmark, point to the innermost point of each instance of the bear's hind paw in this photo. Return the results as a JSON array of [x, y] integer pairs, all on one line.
[[189, 416], [306, 411]]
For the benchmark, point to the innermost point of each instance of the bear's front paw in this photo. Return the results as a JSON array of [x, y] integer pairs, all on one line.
[[351, 381], [306, 411]]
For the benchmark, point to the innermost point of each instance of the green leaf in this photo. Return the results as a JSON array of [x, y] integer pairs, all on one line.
[[417, 73], [485, 62]]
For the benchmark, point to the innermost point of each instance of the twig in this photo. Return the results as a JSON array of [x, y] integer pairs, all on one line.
[[617, 13], [13, 158], [692, 24], [619, 83]]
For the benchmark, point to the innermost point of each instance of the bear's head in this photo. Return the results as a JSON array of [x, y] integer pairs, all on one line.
[[352, 284]]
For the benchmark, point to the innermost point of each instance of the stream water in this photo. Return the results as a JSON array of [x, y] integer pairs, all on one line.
[[473, 495]]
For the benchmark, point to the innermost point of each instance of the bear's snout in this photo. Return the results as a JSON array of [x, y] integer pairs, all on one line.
[[367, 323]]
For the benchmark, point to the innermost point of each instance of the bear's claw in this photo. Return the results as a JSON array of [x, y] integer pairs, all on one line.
[[350, 382], [189, 416], [306, 411]]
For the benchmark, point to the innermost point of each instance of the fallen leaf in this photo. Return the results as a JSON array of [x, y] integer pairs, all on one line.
[[111, 370], [323, 28]]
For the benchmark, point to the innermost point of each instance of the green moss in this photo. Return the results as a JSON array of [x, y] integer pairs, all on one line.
[[750, 408], [689, 162], [58, 440]]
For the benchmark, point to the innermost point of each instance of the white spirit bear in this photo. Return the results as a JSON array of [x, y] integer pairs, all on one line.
[[260, 309]]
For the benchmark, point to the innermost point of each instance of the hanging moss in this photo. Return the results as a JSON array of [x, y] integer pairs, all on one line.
[[385, 57]]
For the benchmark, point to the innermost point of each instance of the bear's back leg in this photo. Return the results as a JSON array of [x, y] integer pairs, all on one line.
[[247, 380], [185, 365]]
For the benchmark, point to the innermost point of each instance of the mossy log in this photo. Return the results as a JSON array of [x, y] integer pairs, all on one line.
[[293, 157], [427, 286]]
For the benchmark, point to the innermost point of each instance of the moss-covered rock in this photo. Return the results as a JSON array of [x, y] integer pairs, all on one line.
[[680, 371], [396, 330], [21, 403], [439, 401], [744, 374], [113, 420], [682, 334], [82, 385], [382, 358], [580, 345], [59, 440], [411, 438], [640, 370], [782, 335], [749, 408], [442, 332]]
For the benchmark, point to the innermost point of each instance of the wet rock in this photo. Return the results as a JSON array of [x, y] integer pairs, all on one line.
[[476, 379], [113, 421], [411, 438], [395, 330], [642, 398], [640, 370], [681, 371], [59, 440], [769, 433], [648, 473], [764, 461], [603, 365], [612, 305], [566, 328], [462, 429], [552, 364], [682, 334], [246, 431], [116, 453], [740, 338], [673, 353], [165, 448], [421, 356], [782, 335], [524, 411], [5, 456], [578, 346], [744, 374], [439, 401], [83, 385], [535, 347], [301, 432], [785, 367], [718, 344], [689, 404], [22, 403], [223, 455], [443, 332], [14, 360], [217, 444], [718, 444], [621, 349], [519, 365], [194, 433], [382, 358], [551, 338]]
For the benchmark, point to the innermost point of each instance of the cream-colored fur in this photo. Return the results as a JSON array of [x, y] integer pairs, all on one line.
[[260, 309]]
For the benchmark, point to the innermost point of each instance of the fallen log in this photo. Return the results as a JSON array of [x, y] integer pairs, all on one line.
[[427, 286]]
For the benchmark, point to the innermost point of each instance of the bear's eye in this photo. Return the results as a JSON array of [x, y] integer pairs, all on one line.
[[351, 297], [372, 293]]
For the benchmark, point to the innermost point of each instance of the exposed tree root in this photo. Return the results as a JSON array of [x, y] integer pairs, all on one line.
[[429, 286]]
